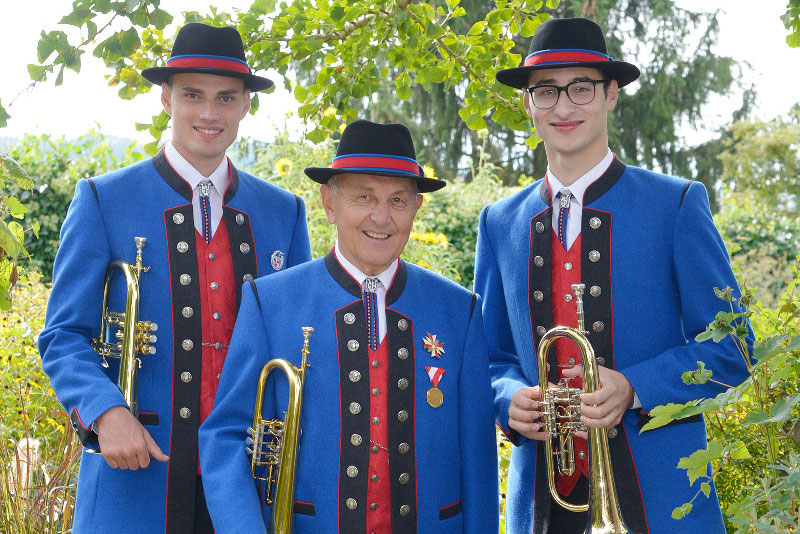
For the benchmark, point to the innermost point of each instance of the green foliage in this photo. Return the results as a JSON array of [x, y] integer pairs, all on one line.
[[55, 165], [754, 435], [791, 19]]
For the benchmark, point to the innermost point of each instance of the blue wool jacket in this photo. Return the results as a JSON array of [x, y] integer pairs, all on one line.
[[267, 231], [447, 454], [650, 258]]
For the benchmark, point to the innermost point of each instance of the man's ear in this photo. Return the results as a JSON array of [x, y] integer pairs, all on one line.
[[246, 107], [612, 94], [326, 193], [166, 94], [526, 102]]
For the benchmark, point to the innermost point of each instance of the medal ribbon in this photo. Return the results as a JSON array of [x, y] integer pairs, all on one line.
[[435, 374]]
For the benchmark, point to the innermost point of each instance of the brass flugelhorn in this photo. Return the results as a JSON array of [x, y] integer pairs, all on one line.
[[273, 442], [561, 411], [131, 336]]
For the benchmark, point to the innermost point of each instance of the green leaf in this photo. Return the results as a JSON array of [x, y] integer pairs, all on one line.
[[160, 18], [477, 28], [405, 93], [705, 487], [683, 510], [699, 376], [772, 346], [696, 464], [18, 210], [739, 451], [11, 168], [300, 93], [317, 135], [8, 241], [4, 116]]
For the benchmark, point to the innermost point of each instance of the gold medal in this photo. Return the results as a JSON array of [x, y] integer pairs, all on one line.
[[434, 397]]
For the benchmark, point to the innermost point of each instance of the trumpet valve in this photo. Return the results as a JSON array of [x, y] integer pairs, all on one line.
[[146, 326]]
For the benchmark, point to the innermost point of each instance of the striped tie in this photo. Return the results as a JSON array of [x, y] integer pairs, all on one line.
[[370, 295]]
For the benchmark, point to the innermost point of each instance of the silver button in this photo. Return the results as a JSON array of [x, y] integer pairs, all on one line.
[[568, 266], [373, 506], [402, 383], [403, 448], [375, 448], [538, 261], [598, 326], [405, 510], [187, 312], [351, 503], [402, 415], [612, 432], [185, 279], [571, 361], [375, 392], [186, 376], [185, 413], [594, 256], [538, 296], [376, 420], [568, 297], [217, 345], [600, 360], [352, 471], [594, 222], [374, 478], [539, 227], [402, 324], [352, 345], [212, 256], [239, 219], [217, 316], [177, 218], [349, 318], [581, 454], [219, 375], [404, 478], [595, 291], [214, 285], [247, 277], [355, 408], [245, 248], [402, 353], [355, 376], [182, 246], [187, 344], [541, 330], [356, 440], [375, 364]]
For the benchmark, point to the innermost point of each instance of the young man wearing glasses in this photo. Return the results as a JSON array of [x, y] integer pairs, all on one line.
[[646, 249]]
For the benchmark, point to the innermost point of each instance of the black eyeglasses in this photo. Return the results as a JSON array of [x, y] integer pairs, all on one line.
[[580, 92]]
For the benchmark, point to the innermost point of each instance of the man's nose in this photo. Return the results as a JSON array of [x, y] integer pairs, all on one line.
[[380, 213]]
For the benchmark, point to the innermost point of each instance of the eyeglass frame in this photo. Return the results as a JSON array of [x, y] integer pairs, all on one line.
[[565, 89]]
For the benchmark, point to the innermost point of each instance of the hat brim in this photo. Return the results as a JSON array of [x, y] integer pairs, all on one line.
[[621, 71], [158, 75], [321, 175]]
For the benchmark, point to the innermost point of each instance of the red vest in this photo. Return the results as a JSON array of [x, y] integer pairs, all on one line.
[[567, 271], [379, 516]]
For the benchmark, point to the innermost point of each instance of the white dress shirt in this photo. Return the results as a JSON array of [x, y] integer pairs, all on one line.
[[385, 280], [578, 188], [220, 179]]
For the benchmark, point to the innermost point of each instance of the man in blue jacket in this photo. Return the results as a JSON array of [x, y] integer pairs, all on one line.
[[396, 432], [208, 228], [646, 249]]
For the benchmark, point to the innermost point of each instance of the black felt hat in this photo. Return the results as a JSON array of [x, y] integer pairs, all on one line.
[[575, 42], [376, 149], [208, 50]]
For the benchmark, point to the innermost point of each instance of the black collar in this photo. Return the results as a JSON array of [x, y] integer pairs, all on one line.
[[181, 186], [597, 188], [352, 286]]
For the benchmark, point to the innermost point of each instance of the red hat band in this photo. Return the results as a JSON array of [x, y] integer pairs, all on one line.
[[574, 55], [376, 162], [208, 62]]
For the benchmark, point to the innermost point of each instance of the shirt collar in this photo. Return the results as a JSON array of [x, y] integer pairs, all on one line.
[[385, 277], [220, 177], [579, 186]]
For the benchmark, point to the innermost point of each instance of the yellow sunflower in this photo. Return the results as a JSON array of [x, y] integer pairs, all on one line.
[[283, 166]]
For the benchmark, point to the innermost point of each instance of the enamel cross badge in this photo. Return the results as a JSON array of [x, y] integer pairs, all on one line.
[[434, 395], [433, 345]]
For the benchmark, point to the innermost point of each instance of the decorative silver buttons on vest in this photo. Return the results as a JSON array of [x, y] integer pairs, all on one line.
[[594, 256], [581, 454], [186, 376], [402, 353], [404, 478], [217, 316], [568, 297], [212, 256], [185, 413], [374, 478], [402, 324], [375, 392], [187, 312], [187, 344], [352, 345], [376, 420], [239, 219], [352, 471], [594, 222], [355, 408], [214, 285], [247, 277], [541, 330], [595, 291], [182, 246], [349, 318], [402, 383], [185, 279], [218, 345], [354, 376], [538, 261], [245, 248], [538, 296], [356, 440], [403, 448], [612, 432], [571, 361], [402, 416], [375, 364], [373, 506], [539, 227], [598, 326], [405, 510], [600, 360], [178, 218], [351, 503]]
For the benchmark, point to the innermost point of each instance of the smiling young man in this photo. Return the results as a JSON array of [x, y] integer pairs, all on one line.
[[646, 249], [397, 434], [208, 228]]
